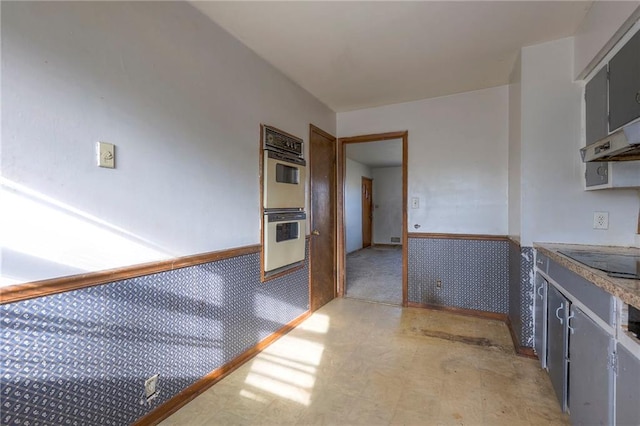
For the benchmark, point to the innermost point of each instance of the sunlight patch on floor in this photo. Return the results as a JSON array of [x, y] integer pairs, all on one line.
[[288, 368]]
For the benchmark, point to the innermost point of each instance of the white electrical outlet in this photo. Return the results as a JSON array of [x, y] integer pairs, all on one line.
[[600, 220], [150, 386], [106, 154], [415, 203]]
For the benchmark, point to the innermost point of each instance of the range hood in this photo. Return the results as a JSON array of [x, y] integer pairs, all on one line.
[[623, 145]]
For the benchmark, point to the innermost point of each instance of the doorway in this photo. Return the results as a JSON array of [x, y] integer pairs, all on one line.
[[373, 264]]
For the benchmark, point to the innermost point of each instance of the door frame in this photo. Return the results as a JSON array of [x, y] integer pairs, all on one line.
[[341, 167], [370, 230]]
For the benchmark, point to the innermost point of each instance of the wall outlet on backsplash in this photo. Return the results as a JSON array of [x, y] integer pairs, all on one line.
[[600, 220], [439, 283]]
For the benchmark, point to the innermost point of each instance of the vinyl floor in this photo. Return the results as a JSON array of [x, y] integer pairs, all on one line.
[[375, 274], [360, 363]]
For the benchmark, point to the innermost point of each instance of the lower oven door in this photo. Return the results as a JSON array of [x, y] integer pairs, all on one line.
[[284, 239]]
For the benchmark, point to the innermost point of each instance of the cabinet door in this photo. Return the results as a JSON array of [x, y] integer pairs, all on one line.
[[590, 377], [627, 386], [557, 343], [596, 109], [624, 84], [540, 320]]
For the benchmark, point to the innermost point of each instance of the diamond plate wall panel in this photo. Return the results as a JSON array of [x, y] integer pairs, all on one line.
[[515, 307], [527, 296], [81, 358], [521, 296], [474, 273]]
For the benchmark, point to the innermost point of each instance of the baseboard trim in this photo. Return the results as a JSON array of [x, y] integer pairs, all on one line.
[[520, 350], [174, 404], [32, 290], [461, 311], [439, 236]]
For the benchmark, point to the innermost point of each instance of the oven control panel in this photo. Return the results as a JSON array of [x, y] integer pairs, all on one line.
[[275, 140]]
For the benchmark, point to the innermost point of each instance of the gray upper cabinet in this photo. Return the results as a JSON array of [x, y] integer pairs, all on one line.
[[624, 84], [596, 113], [590, 378], [597, 124]]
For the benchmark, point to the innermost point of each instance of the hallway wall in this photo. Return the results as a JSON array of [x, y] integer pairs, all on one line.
[[387, 200], [353, 203]]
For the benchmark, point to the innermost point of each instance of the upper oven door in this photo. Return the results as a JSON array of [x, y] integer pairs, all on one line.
[[284, 182]]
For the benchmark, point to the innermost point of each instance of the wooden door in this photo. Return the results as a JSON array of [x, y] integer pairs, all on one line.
[[322, 171], [367, 211]]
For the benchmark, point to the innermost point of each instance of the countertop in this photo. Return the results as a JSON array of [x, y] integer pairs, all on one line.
[[627, 290]]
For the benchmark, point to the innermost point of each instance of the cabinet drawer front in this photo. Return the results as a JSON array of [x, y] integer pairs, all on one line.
[[596, 299], [542, 262]]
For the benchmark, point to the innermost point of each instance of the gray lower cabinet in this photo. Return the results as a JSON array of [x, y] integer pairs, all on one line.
[[557, 343], [591, 349], [627, 388], [540, 324]]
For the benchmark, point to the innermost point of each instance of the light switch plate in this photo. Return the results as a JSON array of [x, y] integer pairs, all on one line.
[[106, 155], [415, 202]]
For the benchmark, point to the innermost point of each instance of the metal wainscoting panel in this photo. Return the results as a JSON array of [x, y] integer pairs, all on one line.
[[526, 296], [474, 274], [82, 357], [515, 297]]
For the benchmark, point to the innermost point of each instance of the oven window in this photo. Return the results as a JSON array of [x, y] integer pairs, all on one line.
[[287, 174], [286, 231]]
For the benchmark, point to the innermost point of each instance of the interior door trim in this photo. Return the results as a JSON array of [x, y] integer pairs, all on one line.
[[342, 255]]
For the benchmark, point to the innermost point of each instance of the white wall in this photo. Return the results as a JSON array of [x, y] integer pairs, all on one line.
[[387, 200], [515, 150], [604, 23], [181, 99], [458, 157], [353, 203], [555, 208]]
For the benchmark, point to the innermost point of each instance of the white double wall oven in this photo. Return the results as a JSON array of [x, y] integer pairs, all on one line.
[[284, 200]]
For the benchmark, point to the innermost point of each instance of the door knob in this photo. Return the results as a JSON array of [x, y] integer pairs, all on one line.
[[315, 232]]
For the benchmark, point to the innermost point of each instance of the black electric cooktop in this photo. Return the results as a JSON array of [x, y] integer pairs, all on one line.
[[615, 265]]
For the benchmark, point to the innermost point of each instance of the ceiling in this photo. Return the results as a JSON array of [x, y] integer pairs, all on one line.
[[359, 54], [376, 154]]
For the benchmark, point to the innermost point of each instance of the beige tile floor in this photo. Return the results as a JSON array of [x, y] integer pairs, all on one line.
[[361, 363]]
